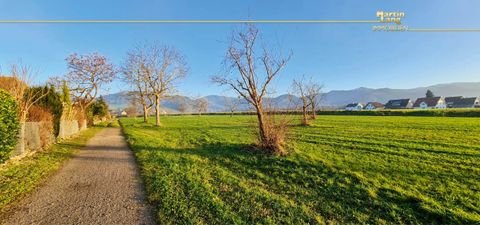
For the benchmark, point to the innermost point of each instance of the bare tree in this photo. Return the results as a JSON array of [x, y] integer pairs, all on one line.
[[314, 93], [135, 72], [201, 105], [232, 104], [86, 75], [253, 84], [135, 102], [131, 111], [182, 105], [164, 66], [300, 89], [18, 86]]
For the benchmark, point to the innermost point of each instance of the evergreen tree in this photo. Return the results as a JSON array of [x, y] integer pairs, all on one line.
[[51, 102], [429, 94], [99, 108]]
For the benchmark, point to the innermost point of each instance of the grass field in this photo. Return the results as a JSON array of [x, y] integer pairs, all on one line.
[[343, 170]]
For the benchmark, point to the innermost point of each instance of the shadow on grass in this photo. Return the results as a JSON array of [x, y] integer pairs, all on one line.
[[69, 145], [330, 193], [193, 129]]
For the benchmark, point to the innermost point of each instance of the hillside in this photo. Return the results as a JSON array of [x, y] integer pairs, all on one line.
[[335, 98]]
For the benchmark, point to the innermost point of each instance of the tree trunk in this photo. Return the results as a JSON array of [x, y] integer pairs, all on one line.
[[82, 117], [145, 114], [261, 125], [157, 110], [304, 115], [314, 113]]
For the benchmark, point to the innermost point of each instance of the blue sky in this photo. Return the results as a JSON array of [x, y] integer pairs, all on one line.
[[341, 56]]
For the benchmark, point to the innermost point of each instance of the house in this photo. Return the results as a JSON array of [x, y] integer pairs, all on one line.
[[450, 101], [430, 103], [473, 102], [354, 107], [123, 113], [399, 104], [374, 105]]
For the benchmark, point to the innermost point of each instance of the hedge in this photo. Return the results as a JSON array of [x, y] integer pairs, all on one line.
[[473, 112], [409, 112], [51, 102], [9, 125]]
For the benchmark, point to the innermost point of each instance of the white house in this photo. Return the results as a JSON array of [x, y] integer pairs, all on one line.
[[354, 107], [430, 103]]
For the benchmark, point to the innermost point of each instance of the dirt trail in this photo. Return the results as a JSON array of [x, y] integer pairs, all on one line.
[[100, 185]]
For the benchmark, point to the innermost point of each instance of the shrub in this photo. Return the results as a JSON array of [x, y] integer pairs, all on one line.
[[11, 84], [9, 124], [275, 134], [98, 110], [51, 102], [39, 114]]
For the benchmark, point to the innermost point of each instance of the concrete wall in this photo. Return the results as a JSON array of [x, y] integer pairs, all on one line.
[[34, 136], [68, 128]]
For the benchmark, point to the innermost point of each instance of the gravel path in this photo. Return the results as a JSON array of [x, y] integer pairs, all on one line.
[[100, 185]]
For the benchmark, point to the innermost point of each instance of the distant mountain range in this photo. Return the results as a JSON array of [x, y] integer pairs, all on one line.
[[331, 99]]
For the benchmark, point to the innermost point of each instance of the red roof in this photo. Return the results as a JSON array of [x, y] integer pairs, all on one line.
[[376, 104]]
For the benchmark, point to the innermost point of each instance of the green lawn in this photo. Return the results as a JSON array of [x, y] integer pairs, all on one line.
[[343, 169], [19, 178]]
